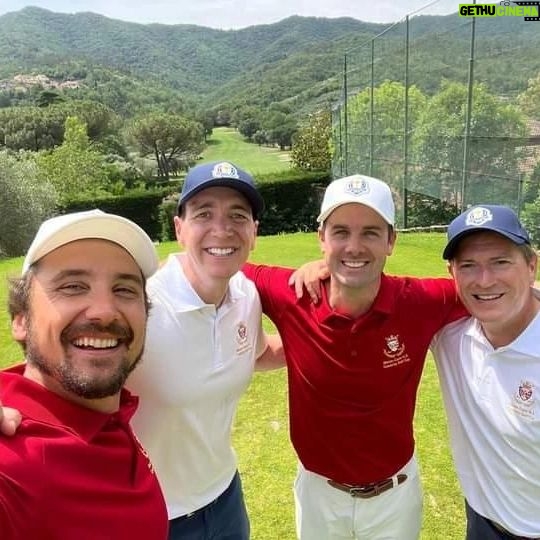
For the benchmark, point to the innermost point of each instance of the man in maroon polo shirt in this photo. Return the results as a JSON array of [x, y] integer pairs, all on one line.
[[354, 364], [74, 468]]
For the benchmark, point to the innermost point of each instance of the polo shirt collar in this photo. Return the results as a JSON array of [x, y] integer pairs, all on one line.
[[39, 403], [180, 292], [525, 343], [384, 302]]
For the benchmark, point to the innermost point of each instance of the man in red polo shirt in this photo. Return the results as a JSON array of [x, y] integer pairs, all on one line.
[[74, 468], [354, 365]]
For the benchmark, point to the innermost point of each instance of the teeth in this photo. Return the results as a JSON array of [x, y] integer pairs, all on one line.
[[96, 343], [354, 264], [488, 296], [220, 252]]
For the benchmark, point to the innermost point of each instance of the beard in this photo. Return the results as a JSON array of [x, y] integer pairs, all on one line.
[[75, 380]]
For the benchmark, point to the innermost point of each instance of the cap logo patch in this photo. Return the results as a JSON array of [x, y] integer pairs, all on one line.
[[478, 216], [225, 170], [357, 187]]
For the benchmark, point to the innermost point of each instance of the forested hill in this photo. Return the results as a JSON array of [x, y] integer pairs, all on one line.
[[296, 61]]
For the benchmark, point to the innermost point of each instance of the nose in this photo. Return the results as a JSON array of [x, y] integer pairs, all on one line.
[[222, 226], [102, 307], [485, 277], [355, 245]]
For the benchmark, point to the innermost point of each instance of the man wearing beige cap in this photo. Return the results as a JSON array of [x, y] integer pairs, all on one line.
[[74, 469], [355, 361]]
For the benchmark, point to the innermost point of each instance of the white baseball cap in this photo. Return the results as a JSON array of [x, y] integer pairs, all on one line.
[[61, 230], [362, 190]]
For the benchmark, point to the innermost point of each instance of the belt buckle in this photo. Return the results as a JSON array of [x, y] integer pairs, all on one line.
[[365, 492]]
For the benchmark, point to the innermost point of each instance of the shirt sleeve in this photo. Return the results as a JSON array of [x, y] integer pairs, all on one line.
[[11, 527], [272, 285]]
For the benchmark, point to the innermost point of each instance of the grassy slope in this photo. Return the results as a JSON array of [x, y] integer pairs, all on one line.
[[228, 144], [266, 458]]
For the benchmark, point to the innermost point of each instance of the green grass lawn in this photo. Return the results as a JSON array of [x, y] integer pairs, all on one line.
[[267, 461], [228, 144]]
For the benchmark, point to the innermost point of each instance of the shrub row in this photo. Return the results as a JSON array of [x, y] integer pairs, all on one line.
[[292, 203]]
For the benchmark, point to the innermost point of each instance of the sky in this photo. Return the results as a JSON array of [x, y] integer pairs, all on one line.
[[234, 14]]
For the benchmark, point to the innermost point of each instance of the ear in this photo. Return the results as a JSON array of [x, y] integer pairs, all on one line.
[[392, 237], [255, 231], [19, 328], [450, 268], [533, 268], [321, 235], [178, 221]]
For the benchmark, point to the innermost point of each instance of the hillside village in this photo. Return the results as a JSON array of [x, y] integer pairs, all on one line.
[[23, 82]]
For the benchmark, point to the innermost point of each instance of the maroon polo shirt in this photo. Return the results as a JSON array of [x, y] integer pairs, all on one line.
[[74, 473], [353, 381]]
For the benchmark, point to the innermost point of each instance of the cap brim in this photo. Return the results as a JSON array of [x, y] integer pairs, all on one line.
[[450, 249], [250, 193], [324, 215], [113, 228]]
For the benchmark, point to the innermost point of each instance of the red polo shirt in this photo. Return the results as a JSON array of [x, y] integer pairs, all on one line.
[[353, 382], [74, 473]]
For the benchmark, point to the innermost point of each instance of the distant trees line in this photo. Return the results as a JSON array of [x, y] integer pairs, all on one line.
[[58, 148]]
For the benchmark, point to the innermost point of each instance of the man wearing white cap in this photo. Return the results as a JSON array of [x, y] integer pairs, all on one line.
[[355, 361], [489, 369], [74, 469]]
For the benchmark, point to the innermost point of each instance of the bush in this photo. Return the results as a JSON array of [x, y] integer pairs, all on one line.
[[530, 217], [141, 206], [423, 211], [26, 201]]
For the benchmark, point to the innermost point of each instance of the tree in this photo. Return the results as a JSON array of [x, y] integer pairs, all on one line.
[[311, 144], [280, 128], [375, 141], [75, 167], [170, 139], [494, 152], [26, 201], [206, 119], [48, 97], [39, 128], [529, 101]]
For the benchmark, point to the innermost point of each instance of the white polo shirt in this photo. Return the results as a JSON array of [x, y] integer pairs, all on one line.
[[492, 400], [197, 363]]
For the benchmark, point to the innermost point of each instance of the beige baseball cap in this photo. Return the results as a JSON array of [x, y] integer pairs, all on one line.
[[61, 230]]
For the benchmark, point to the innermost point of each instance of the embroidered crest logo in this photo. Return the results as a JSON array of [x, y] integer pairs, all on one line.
[[393, 346], [357, 187], [478, 216], [225, 170], [241, 334], [243, 343], [523, 401], [525, 391]]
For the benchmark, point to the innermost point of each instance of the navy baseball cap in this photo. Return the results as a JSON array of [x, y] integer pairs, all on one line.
[[225, 174], [487, 217]]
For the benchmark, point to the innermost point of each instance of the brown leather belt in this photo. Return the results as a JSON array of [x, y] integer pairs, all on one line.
[[507, 533], [366, 491]]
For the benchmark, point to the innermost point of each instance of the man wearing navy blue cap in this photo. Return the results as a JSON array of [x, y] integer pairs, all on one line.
[[489, 369], [204, 339]]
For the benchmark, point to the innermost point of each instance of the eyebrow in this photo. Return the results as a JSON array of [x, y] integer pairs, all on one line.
[[75, 272], [366, 228], [212, 204]]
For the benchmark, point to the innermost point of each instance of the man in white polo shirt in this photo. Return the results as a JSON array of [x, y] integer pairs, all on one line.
[[204, 339], [489, 369]]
